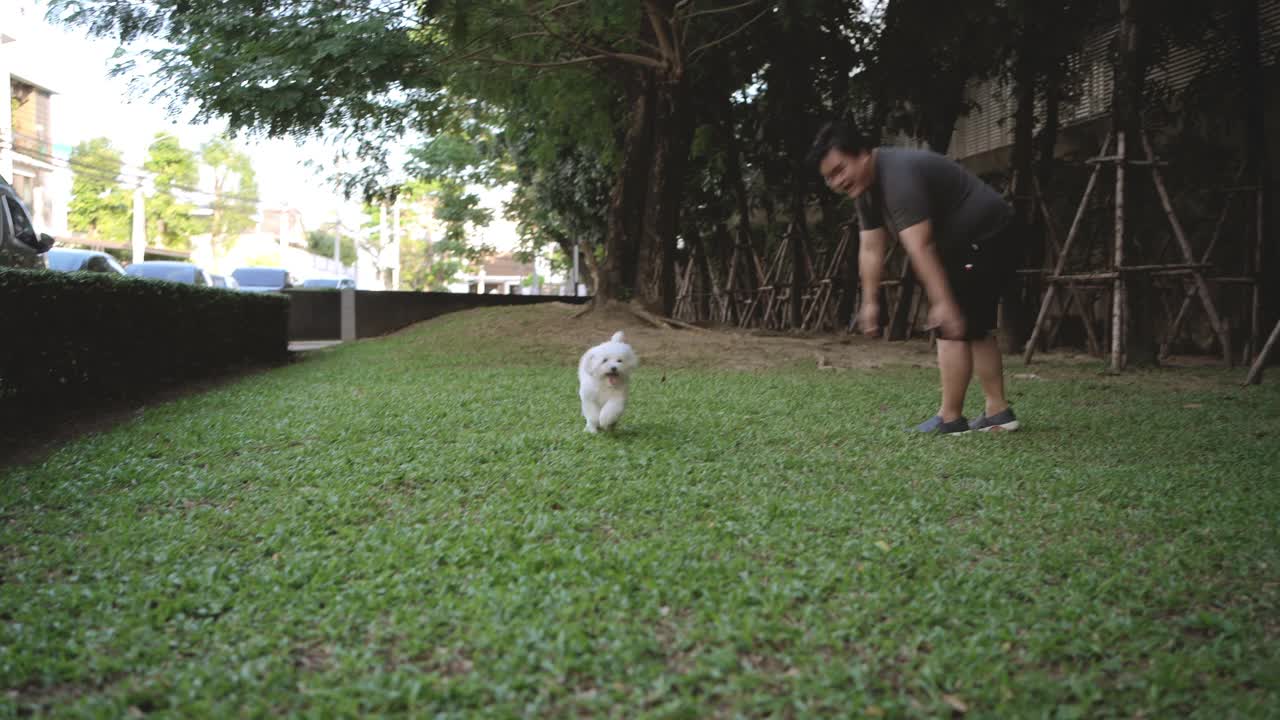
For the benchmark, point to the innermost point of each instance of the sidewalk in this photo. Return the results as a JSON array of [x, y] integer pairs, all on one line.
[[306, 345]]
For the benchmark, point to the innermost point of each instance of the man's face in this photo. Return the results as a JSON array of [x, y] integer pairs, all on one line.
[[845, 173]]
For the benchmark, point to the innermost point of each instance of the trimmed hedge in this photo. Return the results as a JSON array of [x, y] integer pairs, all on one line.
[[86, 335]]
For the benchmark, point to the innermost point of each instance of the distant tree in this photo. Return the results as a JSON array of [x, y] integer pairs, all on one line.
[[235, 191], [321, 242], [169, 219], [100, 204]]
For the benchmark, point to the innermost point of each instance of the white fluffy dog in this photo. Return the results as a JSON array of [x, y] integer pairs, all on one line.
[[604, 374]]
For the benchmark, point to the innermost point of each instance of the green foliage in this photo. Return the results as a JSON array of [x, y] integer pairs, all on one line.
[[560, 203], [418, 526], [100, 205], [321, 242], [535, 88], [169, 219], [93, 336], [429, 260], [235, 190], [444, 168]]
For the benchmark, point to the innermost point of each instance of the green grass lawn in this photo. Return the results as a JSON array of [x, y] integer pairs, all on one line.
[[419, 526]]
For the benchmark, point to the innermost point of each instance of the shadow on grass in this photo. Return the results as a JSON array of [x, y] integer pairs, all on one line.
[[34, 427]]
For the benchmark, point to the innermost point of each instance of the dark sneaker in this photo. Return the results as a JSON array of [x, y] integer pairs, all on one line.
[[936, 426], [1003, 421]]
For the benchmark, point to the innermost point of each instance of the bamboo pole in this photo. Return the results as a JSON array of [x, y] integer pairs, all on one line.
[[1061, 264], [1118, 286], [1255, 319], [1255, 372], [1176, 325], [1201, 286]]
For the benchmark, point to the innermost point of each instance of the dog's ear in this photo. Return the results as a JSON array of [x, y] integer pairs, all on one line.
[[618, 337]]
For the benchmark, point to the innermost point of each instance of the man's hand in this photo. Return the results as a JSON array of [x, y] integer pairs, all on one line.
[[869, 319], [948, 320]]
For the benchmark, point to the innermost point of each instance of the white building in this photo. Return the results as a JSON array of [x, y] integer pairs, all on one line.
[[26, 140], [279, 239]]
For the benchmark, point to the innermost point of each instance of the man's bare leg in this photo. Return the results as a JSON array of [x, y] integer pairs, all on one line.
[[989, 366], [955, 364]]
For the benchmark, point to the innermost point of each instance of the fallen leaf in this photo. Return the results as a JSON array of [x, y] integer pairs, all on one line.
[[874, 711], [956, 703], [883, 545]]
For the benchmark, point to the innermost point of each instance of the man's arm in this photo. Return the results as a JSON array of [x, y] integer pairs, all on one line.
[[870, 266], [871, 261], [927, 263]]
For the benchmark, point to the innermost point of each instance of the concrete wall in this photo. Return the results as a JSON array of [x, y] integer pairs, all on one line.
[[316, 314]]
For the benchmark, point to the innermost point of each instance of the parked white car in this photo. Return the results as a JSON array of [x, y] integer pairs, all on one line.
[[329, 283], [225, 281], [78, 260], [263, 279], [179, 272]]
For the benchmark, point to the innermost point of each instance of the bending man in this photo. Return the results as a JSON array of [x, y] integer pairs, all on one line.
[[959, 234]]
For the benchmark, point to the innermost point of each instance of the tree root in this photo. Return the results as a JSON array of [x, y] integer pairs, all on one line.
[[663, 322], [651, 319]]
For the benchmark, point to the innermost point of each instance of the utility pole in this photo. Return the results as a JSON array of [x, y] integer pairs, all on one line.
[[382, 243], [395, 245], [139, 224], [575, 270]]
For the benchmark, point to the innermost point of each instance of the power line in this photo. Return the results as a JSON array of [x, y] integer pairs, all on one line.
[[106, 174]]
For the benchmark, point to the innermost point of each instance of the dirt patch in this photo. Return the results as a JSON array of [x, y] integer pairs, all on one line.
[[553, 328]]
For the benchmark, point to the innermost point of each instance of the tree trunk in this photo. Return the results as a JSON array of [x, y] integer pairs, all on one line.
[[672, 135], [799, 275], [701, 250], [937, 130], [1020, 304], [1038, 232], [851, 284], [733, 173], [1266, 254], [588, 272], [617, 277], [940, 127], [1139, 346]]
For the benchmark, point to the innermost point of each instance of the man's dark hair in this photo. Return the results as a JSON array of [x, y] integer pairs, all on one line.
[[837, 135]]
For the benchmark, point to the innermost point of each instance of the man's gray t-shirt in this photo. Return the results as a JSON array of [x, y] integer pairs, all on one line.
[[912, 186]]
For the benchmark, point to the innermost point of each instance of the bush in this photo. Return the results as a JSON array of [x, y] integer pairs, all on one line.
[[91, 335]]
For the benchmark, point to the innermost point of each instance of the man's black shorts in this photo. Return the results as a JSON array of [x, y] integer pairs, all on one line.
[[980, 272]]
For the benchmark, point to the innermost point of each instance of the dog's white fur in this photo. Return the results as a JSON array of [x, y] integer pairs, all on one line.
[[604, 379]]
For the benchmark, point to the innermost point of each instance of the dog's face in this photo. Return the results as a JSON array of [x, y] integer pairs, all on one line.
[[612, 362]]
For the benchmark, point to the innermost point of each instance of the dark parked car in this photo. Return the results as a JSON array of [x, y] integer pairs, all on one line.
[[180, 272], [263, 279], [20, 244], [77, 260]]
